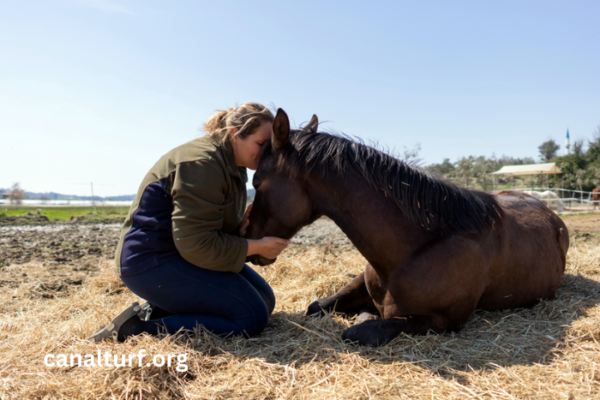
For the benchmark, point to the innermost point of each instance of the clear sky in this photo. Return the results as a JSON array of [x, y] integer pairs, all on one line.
[[97, 90]]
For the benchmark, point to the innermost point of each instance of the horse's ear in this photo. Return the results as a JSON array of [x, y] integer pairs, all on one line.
[[313, 124], [281, 129]]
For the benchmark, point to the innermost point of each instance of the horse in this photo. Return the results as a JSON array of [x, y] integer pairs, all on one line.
[[549, 198], [435, 252], [596, 197]]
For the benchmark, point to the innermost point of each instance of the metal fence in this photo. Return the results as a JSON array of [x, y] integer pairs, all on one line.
[[565, 201]]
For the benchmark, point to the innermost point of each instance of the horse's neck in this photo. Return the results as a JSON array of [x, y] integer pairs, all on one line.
[[370, 219]]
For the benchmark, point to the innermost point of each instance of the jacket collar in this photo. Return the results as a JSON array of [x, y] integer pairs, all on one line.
[[229, 156]]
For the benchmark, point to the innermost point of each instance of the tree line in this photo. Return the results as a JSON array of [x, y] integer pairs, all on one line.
[[15, 194], [581, 168]]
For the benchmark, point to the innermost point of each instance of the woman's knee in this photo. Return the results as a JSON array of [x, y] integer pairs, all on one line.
[[269, 299], [261, 286], [259, 321]]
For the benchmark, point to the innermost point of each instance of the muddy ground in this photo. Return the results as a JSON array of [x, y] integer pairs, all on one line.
[[65, 255], [48, 260]]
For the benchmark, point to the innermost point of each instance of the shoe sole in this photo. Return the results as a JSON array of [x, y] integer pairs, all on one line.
[[111, 330]]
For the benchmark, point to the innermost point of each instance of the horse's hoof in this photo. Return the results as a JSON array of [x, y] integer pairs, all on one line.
[[358, 335], [365, 334], [315, 309]]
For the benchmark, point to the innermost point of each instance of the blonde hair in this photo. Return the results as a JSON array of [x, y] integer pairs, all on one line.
[[246, 118]]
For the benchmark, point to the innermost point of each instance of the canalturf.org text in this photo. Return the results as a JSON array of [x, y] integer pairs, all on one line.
[[141, 359]]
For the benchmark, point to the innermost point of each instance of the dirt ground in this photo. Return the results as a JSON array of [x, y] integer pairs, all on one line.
[[585, 228], [70, 253]]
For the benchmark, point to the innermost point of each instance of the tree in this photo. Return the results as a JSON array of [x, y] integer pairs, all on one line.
[[411, 156], [441, 170], [465, 165], [548, 150], [593, 153], [579, 172], [16, 194]]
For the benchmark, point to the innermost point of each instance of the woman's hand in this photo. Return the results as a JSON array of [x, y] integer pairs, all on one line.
[[245, 222], [268, 247]]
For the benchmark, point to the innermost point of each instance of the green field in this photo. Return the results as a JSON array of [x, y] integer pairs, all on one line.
[[65, 213]]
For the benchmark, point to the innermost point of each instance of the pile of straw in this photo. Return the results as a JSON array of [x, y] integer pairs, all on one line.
[[549, 351]]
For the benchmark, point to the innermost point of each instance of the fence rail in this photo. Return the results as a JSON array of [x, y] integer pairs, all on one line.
[[565, 201]]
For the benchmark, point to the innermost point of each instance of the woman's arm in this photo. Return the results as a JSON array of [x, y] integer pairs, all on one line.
[[269, 247], [198, 193]]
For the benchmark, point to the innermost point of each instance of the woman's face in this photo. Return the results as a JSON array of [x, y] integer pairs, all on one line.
[[249, 150]]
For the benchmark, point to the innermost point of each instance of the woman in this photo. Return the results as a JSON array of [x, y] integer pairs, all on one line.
[[182, 246]]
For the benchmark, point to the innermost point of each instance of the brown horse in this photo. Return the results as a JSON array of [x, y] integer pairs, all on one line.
[[435, 252], [596, 197]]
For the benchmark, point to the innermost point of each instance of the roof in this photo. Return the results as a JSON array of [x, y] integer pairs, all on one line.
[[529, 169]]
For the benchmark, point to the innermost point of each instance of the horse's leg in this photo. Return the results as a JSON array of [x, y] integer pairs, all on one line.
[[351, 299], [379, 332], [436, 291]]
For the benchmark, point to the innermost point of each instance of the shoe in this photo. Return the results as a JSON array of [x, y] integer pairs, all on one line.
[[145, 311], [111, 330]]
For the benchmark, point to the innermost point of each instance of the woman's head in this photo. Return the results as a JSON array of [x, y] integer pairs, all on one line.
[[248, 127], [243, 120]]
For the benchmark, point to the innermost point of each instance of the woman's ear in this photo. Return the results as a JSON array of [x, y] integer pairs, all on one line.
[[232, 133], [281, 130]]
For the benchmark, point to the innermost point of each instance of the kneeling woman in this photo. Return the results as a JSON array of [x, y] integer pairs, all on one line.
[[182, 247]]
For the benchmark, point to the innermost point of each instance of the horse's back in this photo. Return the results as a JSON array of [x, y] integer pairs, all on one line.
[[531, 253]]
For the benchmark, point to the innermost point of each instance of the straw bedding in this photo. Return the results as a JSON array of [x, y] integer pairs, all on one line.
[[549, 351]]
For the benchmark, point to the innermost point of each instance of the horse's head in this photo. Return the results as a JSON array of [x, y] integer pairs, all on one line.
[[282, 204]]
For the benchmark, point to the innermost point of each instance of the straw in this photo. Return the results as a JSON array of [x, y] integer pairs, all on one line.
[[550, 351]]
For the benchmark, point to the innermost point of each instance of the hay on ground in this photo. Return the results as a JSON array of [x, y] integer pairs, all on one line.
[[549, 351]]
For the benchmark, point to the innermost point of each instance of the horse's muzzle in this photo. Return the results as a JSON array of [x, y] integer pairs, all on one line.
[[260, 260]]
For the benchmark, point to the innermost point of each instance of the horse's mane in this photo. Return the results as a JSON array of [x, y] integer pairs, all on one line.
[[427, 201]]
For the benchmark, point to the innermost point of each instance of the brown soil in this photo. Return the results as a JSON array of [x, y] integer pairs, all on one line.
[[56, 243], [584, 229], [48, 260], [38, 263], [322, 233]]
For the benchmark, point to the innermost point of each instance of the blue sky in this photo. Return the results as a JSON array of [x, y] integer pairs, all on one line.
[[97, 90]]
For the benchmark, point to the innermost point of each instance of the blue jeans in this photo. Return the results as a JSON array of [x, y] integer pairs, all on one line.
[[224, 302]]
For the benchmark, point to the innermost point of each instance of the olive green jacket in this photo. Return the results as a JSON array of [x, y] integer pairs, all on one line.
[[190, 204]]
